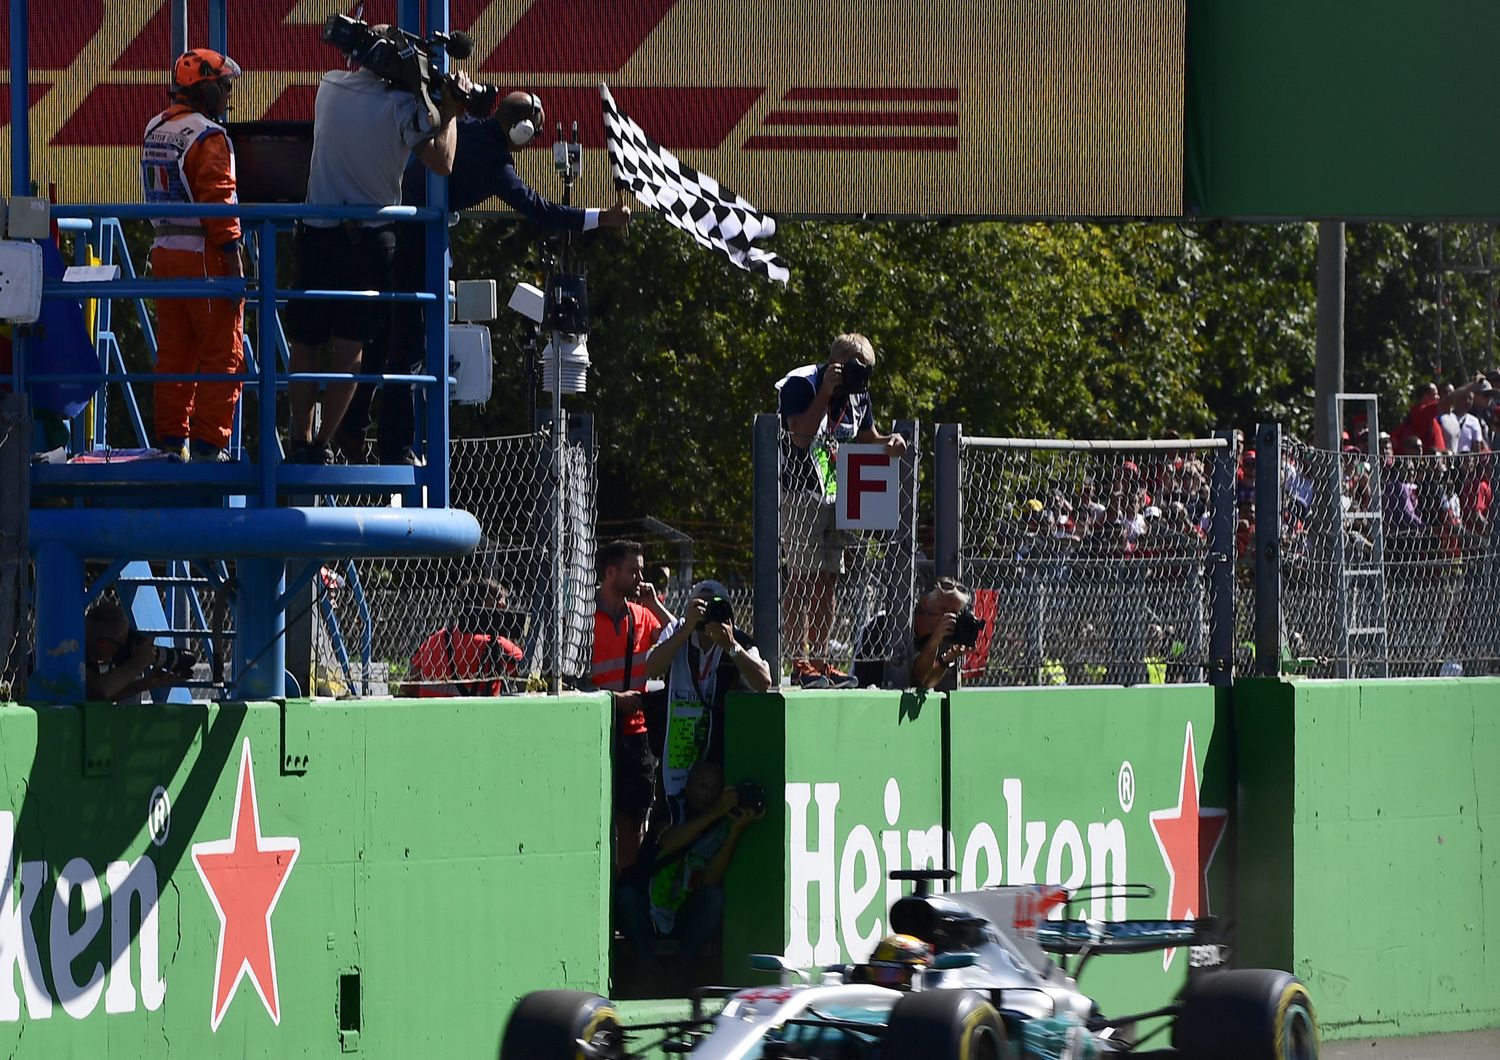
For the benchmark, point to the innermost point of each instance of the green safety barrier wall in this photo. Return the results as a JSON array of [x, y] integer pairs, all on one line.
[[1364, 865], [425, 863], [1003, 785]]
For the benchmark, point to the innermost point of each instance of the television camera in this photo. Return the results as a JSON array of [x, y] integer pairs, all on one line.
[[404, 60]]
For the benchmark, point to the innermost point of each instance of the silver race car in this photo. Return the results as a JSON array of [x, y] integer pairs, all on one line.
[[975, 975]]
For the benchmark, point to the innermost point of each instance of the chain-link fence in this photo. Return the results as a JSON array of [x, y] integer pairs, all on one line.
[[837, 582], [386, 626], [1389, 565], [15, 563], [1093, 562]]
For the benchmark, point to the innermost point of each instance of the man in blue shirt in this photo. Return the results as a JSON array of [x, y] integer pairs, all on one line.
[[483, 168], [821, 406]]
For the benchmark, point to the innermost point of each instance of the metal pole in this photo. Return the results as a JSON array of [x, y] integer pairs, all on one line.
[[1221, 559], [179, 29], [260, 625], [559, 485], [1268, 549], [948, 531], [1329, 371], [765, 533], [901, 588], [20, 121]]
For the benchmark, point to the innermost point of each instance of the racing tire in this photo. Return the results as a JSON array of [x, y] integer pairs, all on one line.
[[1246, 1014], [549, 1024], [944, 1025]]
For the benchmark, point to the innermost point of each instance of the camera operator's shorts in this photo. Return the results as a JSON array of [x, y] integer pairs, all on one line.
[[634, 775], [341, 258], [810, 541]]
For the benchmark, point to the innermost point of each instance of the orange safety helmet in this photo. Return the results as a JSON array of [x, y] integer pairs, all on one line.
[[896, 961], [197, 65]]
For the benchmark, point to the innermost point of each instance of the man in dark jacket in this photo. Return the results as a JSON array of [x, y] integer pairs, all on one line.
[[484, 167]]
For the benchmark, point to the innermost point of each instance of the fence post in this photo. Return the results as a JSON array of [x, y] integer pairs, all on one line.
[[1268, 549], [948, 529], [1221, 558], [15, 562], [900, 591], [765, 499]]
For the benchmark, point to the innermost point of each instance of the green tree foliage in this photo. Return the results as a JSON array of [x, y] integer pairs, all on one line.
[[1066, 330]]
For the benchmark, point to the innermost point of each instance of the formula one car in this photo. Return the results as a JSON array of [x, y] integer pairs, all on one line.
[[994, 985]]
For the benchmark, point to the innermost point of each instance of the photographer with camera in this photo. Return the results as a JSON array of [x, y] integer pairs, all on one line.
[[704, 657], [821, 406], [123, 663], [484, 167], [676, 890], [943, 629], [364, 127], [627, 618]]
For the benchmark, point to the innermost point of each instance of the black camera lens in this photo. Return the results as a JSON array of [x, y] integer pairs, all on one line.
[[177, 659], [719, 610], [752, 796], [856, 377], [966, 628]]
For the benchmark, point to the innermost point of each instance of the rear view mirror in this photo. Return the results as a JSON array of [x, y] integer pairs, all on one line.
[[946, 962]]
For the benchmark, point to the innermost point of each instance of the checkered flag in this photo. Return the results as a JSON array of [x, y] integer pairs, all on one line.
[[693, 201]]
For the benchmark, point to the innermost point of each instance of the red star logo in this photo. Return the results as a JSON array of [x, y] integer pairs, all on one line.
[[244, 875], [1188, 836]]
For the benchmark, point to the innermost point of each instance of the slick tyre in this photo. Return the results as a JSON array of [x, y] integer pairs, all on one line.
[[944, 1025], [1249, 1014], [549, 1024]]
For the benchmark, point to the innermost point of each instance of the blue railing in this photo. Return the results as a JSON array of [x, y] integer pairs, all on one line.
[[263, 374]]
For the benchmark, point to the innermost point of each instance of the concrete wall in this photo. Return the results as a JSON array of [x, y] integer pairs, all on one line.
[[1364, 865]]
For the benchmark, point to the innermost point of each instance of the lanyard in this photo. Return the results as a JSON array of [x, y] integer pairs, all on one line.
[[629, 646]]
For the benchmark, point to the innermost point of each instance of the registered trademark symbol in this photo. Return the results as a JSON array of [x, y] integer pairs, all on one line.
[[159, 816], [1127, 786]]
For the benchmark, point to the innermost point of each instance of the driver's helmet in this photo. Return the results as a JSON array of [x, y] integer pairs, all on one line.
[[896, 961]]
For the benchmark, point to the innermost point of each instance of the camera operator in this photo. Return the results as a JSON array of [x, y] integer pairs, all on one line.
[[704, 656], [123, 663], [677, 888], [475, 655], [363, 131], [484, 167], [821, 406]]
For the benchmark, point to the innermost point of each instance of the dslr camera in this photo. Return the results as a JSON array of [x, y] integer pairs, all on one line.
[[966, 627], [403, 60], [752, 796], [177, 660], [718, 610], [855, 379]]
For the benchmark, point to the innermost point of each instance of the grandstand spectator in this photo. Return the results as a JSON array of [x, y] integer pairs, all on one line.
[[1448, 417], [822, 406], [1422, 419], [627, 618], [1473, 427], [1399, 511]]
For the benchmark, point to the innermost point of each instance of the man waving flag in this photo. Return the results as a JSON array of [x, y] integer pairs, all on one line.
[[695, 202]]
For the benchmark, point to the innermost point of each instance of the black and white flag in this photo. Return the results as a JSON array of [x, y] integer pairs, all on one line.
[[693, 201]]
